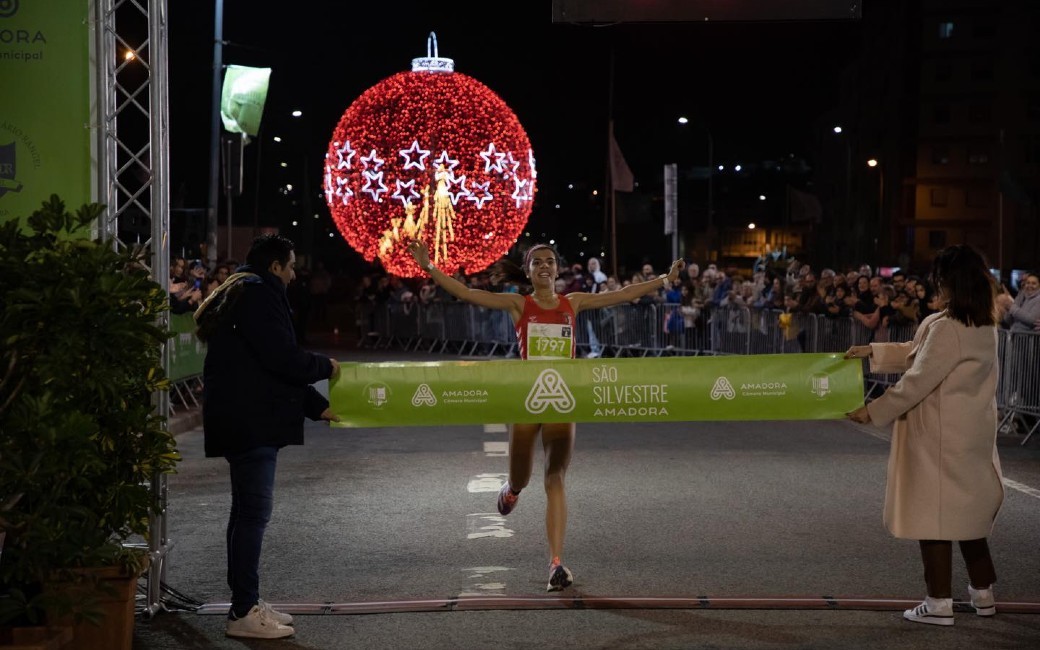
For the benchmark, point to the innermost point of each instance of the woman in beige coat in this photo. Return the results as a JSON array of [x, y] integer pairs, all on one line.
[[944, 479]]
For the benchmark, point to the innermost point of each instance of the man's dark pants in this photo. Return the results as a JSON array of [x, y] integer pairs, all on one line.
[[252, 500]]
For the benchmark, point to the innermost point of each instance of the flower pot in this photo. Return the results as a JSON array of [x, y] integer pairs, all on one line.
[[35, 638], [112, 596]]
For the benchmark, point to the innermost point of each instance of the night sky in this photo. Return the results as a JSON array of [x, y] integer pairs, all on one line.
[[760, 86]]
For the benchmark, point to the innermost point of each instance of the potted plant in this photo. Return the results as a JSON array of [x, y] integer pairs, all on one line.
[[80, 439]]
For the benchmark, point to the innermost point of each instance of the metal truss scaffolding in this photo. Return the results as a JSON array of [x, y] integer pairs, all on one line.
[[129, 114]]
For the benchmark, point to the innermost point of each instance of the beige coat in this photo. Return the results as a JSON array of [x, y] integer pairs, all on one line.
[[944, 479]]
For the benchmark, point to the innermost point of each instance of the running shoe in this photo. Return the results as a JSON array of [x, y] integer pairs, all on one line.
[[560, 577], [507, 499], [934, 611]]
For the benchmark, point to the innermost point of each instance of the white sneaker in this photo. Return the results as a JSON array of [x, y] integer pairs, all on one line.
[[934, 611], [257, 624], [982, 600], [280, 617]]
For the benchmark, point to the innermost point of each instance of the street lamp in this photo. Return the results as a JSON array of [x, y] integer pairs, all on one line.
[[711, 171], [874, 164]]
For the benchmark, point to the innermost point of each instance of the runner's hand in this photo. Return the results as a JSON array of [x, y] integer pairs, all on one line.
[[420, 252]]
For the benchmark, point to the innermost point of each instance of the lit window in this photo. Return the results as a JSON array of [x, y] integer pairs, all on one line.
[[946, 30]]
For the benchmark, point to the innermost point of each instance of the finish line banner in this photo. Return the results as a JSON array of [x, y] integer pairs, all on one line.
[[758, 387]]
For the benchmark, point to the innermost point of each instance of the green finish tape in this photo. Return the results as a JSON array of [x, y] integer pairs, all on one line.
[[756, 387]]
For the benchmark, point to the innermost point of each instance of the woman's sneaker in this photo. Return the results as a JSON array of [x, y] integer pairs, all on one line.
[[507, 499], [257, 624], [934, 611], [280, 617], [559, 576], [982, 600]]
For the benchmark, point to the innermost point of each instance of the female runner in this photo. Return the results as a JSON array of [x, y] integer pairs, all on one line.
[[544, 323]]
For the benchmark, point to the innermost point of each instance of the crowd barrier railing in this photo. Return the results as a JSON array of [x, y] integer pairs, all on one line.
[[187, 356], [664, 329], [1018, 391]]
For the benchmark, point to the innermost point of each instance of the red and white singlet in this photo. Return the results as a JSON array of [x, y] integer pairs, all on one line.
[[546, 334]]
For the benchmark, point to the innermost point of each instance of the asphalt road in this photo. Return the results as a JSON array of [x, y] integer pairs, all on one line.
[[681, 535]]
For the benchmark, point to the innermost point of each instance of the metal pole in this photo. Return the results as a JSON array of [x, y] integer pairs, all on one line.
[[214, 136], [711, 174]]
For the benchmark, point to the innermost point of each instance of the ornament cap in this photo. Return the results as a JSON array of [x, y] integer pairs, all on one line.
[[432, 62]]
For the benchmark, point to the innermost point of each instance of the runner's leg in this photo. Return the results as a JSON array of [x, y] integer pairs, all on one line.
[[558, 443]]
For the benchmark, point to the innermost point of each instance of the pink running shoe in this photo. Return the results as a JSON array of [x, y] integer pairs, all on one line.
[[507, 499], [560, 577]]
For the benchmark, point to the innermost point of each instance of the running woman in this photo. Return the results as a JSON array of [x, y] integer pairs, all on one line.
[[544, 322]]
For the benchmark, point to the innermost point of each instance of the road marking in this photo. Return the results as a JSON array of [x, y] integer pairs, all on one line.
[[496, 428], [481, 525], [484, 587], [1024, 489], [496, 448], [486, 483]]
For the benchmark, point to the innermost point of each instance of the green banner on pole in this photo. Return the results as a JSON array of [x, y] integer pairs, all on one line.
[[45, 135], [242, 98], [758, 387]]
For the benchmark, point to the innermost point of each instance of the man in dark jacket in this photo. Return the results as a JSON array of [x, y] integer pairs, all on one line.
[[257, 392]]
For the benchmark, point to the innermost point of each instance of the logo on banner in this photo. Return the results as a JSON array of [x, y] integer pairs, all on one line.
[[377, 394], [7, 170], [424, 396], [550, 390], [821, 385], [722, 388], [8, 8]]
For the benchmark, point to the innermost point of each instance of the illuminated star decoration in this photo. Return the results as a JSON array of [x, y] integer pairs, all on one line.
[[405, 185], [492, 165], [421, 154], [343, 155]]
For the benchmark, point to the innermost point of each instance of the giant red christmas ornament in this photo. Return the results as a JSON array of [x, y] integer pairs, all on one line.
[[430, 154]]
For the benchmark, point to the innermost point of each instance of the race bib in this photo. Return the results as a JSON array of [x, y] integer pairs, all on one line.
[[548, 341]]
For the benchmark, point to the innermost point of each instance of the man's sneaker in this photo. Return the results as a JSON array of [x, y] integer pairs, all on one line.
[[560, 577], [280, 617], [934, 611], [257, 624], [507, 499], [982, 600]]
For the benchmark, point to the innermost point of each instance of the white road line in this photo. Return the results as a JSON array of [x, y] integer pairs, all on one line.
[[483, 586], [481, 525], [496, 448], [1024, 489], [486, 483], [496, 428]]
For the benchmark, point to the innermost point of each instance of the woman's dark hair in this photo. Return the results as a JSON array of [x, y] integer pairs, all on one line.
[[267, 249], [962, 276], [506, 270]]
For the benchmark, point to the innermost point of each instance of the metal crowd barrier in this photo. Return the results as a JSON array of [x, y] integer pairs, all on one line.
[[664, 329], [1018, 391]]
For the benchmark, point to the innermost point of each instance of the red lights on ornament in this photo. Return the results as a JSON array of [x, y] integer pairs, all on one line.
[[430, 154]]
